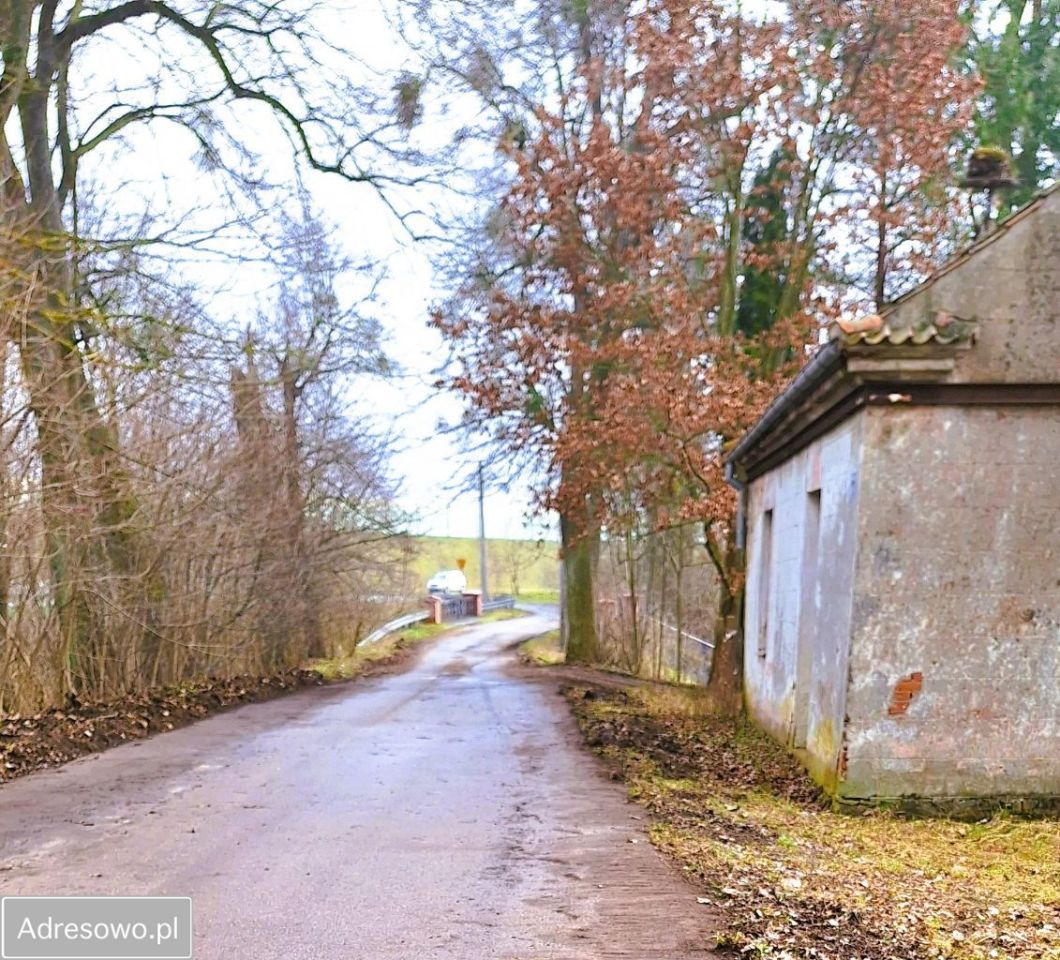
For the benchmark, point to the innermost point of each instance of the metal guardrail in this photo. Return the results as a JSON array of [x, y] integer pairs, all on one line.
[[683, 657], [498, 603], [456, 607], [684, 634], [399, 624]]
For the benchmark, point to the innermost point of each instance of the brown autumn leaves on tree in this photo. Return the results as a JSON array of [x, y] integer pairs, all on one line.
[[698, 192], [688, 190]]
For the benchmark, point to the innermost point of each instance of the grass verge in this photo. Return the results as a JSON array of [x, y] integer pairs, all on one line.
[[363, 659], [385, 650], [795, 879], [538, 596], [543, 649], [508, 613]]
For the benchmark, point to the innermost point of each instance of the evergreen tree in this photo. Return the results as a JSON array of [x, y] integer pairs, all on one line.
[[765, 231], [1015, 46]]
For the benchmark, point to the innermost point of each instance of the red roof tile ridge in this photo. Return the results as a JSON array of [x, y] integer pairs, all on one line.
[[873, 329]]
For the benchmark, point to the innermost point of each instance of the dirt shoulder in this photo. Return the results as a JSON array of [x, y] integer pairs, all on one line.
[[57, 736], [61, 734], [790, 877]]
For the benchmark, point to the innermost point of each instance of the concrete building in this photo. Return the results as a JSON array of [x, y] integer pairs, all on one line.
[[902, 506]]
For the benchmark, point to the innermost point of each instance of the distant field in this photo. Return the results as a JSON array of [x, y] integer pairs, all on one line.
[[515, 566]]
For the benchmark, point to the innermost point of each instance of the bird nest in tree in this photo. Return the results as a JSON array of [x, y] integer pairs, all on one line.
[[988, 169]]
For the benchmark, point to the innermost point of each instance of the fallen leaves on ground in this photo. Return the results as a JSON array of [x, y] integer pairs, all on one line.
[[794, 879], [61, 734]]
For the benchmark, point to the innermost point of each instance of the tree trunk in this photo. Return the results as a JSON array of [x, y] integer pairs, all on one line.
[[301, 576], [634, 612], [730, 274], [679, 602], [87, 504], [725, 684], [726, 667], [581, 542], [880, 279], [263, 510]]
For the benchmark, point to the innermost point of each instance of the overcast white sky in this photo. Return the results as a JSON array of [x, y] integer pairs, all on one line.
[[157, 161]]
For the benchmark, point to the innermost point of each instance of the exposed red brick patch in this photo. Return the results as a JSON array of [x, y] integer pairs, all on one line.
[[904, 691]]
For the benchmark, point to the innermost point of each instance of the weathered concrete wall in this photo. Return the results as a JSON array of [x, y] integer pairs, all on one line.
[[809, 604], [911, 648], [1011, 284], [955, 656]]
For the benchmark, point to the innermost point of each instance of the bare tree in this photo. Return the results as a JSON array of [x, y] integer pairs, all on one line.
[[62, 103]]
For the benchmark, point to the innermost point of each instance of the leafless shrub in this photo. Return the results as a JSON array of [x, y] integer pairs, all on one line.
[[657, 605], [226, 513]]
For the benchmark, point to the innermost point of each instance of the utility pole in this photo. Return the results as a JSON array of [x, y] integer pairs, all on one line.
[[482, 534]]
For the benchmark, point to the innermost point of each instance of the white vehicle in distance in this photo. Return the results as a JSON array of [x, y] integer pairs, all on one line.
[[447, 581]]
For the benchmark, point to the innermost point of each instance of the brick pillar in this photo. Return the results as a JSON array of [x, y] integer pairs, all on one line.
[[476, 597], [434, 610]]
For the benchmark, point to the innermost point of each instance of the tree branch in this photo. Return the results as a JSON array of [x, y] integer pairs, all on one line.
[[206, 36]]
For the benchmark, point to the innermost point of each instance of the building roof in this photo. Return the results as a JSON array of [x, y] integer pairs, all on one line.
[[998, 231], [943, 328], [877, 350], [858, 353]]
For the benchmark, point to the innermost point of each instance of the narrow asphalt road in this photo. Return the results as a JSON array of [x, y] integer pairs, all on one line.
[[448, 811]]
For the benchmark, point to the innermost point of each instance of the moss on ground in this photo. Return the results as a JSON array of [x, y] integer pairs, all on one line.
[[796, 879]]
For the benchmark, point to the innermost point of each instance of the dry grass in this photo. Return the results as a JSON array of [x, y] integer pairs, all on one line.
[[544, 649], [363, 657], [794, 878], [495, 616]]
